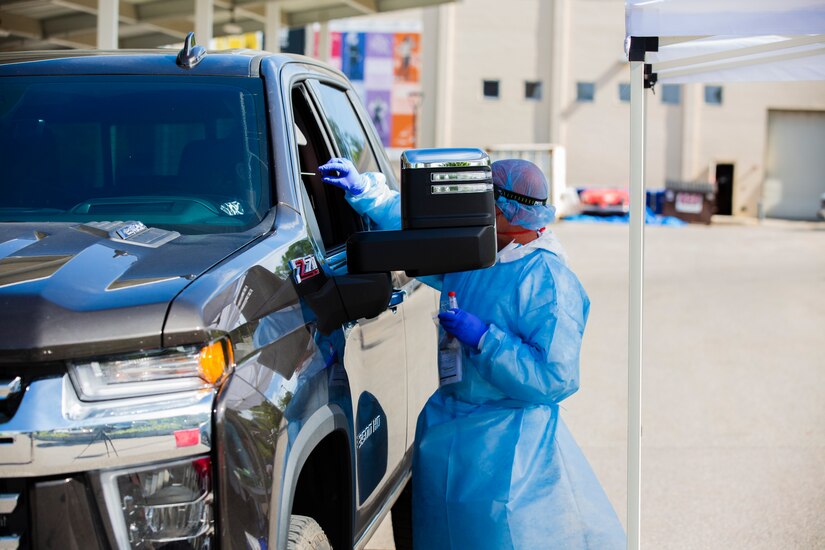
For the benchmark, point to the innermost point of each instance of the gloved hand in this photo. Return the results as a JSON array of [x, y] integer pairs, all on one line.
[[340, 172], [465, 326]]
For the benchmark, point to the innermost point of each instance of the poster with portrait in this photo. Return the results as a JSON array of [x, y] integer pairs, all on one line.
[[353, 54], [407, 57], [378, 107]]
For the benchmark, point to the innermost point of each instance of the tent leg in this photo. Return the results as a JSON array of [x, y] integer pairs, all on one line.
[[635, 305]]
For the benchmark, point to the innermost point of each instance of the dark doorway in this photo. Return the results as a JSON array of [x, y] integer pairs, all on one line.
[[724, 189]]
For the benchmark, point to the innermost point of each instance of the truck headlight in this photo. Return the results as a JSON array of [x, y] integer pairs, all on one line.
[[162, 506], [151, 373]]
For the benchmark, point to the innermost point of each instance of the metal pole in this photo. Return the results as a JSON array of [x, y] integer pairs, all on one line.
[[204, 19], [636, 303], [324, 42], [272, 27], [107, 24]]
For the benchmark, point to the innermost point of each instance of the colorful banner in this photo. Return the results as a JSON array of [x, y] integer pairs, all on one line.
[[385, 70]]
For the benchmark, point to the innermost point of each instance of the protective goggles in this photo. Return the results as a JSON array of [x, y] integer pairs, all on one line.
[[518, 197]]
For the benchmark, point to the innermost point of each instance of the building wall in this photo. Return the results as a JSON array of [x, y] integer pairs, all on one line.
[[737, 131], [497, 41], [560, 43], [596, 134]]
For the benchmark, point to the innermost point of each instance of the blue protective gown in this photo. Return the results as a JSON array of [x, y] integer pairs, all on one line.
[[494, 466]]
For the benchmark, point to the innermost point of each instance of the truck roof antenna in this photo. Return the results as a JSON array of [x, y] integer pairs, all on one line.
[[191, 54]]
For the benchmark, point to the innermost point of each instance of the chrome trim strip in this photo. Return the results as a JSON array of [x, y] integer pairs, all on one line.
[[444, 164], [10, 387], [10, 543], [53, 432], [460, 188], [8, 502], [444, 158], [476, 175]]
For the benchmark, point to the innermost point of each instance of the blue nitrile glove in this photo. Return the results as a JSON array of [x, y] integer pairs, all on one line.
[[340, 172], [465, 326]]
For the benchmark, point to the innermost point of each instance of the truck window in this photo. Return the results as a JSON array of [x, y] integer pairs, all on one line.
[[335, 219], [347, 131], [177, 152]]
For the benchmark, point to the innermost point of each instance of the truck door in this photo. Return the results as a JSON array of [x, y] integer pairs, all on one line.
[[375, 349], [420, 305]]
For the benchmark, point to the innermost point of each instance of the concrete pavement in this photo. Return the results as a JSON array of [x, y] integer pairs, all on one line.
[[733, 382]]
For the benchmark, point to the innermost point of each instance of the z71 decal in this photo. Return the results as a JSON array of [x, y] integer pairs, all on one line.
[[304, 268]]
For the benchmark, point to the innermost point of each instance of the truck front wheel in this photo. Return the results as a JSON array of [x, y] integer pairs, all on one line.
[[306, 534]]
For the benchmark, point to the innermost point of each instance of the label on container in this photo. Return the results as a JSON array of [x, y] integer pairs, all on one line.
[[449, 364], [689, 203]]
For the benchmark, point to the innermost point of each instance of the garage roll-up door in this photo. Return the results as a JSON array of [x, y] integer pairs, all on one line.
[[794, 164]]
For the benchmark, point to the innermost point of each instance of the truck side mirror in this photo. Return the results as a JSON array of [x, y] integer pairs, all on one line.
[[341, 298], [447, 217]]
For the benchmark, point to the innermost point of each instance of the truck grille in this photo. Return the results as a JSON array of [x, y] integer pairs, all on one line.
[[14, 514], [49, 513]]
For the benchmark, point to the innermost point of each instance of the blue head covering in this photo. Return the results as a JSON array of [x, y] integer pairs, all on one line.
[[521, 193]]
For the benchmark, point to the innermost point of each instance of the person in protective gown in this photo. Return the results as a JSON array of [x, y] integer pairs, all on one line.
[[494, 466]]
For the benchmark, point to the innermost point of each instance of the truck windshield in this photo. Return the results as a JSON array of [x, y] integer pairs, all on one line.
[[181, 153]]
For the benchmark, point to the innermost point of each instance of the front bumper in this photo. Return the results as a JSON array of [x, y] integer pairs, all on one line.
[[53, 432], [56, 451]]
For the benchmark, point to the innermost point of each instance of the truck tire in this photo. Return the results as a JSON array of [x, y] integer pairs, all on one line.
[[306, 534]]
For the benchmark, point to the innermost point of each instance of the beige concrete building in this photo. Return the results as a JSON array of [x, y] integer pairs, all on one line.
[[560, 72]]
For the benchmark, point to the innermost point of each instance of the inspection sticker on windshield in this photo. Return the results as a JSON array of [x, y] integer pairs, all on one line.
[[304, 268], [232, 208]]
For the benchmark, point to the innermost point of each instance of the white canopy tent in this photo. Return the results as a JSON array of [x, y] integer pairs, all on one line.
[[679, 41]]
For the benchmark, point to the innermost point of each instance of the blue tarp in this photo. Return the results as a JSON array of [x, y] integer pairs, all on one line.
[[650, 219]]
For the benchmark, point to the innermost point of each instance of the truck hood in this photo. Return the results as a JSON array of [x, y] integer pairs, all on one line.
[[70, 290]]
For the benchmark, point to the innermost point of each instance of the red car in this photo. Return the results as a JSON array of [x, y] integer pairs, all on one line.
[[605, 201]]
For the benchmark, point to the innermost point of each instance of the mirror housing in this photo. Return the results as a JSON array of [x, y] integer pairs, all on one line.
[[423, 251], [342, 298], [447, 217]]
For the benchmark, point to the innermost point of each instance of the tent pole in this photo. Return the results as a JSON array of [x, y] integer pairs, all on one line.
[[635, 305]]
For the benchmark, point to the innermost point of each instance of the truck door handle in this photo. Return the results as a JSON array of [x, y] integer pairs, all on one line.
[[396, 298]]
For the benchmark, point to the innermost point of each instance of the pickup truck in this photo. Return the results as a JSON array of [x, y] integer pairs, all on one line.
[[185, 359]]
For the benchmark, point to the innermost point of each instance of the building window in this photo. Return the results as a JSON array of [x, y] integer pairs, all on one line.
[[624, 91], [490, 88], [532, 90], [671, 94], [585, 91], [713, 95]]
